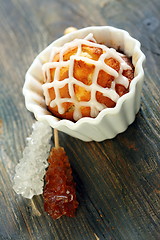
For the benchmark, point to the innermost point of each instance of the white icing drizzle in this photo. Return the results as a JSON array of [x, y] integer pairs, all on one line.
[[95, 106]]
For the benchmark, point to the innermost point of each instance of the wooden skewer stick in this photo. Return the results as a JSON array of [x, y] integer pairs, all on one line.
[[56, 138], [34, 208], [69, 30]]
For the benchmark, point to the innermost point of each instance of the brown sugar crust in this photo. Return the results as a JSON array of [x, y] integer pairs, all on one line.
[[83, 72]]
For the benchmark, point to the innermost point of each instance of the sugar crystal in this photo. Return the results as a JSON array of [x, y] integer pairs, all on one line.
[[30, 171]]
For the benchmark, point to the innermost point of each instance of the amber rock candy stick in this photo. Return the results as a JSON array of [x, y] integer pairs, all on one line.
[[59, 192]]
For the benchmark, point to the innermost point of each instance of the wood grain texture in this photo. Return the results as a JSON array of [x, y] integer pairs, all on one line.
[[118, 180]]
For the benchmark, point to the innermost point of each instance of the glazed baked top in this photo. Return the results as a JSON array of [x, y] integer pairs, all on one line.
[[83, 77]]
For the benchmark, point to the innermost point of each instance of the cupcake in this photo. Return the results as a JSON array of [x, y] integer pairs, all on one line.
[[87, 83], [83, 77]]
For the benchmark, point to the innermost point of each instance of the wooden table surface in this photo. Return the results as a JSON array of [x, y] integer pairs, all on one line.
[[118, 180]]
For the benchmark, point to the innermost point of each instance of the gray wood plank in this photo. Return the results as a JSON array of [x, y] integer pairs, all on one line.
[[118, 179]]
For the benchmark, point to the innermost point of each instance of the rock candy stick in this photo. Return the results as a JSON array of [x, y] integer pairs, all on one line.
[[59, 192], [30, 171]]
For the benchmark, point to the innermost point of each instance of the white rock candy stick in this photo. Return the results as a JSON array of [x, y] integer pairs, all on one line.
[[30, 171]]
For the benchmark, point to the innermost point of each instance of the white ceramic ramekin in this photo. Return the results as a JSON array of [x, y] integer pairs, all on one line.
[[109, 121]]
